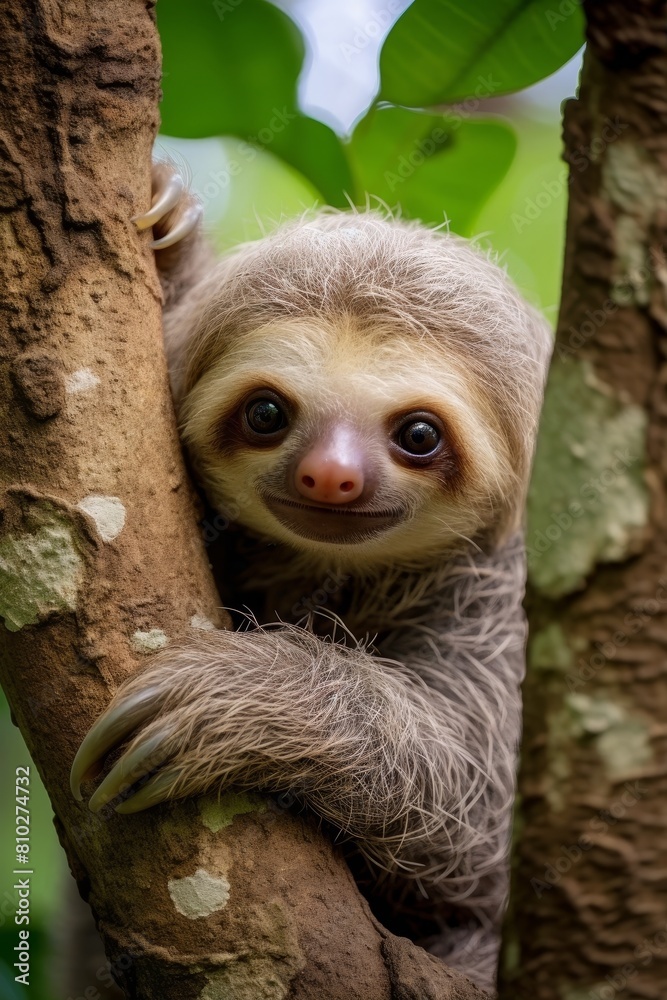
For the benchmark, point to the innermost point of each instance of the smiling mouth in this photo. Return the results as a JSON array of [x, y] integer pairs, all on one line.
[[339, 525]]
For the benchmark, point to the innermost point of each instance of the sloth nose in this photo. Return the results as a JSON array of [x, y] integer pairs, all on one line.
[[332, 472]]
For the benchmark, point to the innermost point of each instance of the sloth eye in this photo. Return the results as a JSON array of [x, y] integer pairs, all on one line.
[[265, 416], [417, 437]]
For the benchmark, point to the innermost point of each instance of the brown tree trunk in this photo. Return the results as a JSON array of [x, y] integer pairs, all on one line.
[[589, 909], [100, 562]]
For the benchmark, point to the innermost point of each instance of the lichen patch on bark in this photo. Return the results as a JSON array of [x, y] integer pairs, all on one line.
[[108, 513], [262, 982], [217, 813], [80, 381], [200, 894], [550, 649], [40, 571], [259, 975], [637, 185], [624, 748], [149, 641], [593, 715], [558, 769], [588, 501]]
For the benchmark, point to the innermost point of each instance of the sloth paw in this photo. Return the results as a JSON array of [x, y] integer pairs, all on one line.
[[145, 759], [174, 213]]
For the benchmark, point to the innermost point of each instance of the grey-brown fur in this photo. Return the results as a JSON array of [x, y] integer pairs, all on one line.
[[396, 721]]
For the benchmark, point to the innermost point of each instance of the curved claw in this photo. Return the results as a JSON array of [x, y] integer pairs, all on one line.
[[131, 767], [110, 729], [166, 199], [153, 792], [183, 228]]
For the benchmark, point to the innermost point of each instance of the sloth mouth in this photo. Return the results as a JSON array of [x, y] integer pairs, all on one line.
[[339, 525]]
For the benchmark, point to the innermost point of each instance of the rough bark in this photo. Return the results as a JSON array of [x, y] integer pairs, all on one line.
[[100, 560], [588, 908]]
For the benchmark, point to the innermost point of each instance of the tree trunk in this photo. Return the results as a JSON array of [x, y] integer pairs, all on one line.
[[588, 917], [100, 561]]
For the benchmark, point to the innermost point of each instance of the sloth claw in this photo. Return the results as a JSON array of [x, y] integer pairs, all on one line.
[[173, 214], [166, 198], [187, 222], [131, 767], [114, 726], [156, 790]]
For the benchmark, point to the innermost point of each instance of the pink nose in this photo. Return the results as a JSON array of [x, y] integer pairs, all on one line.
[[332, 472]]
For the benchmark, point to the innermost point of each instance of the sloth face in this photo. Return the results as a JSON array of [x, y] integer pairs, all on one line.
[[333, 487], [361, 445]]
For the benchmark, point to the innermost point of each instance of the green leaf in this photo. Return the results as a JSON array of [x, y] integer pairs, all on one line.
[[232, 69], [431, 167], [442, 51], [226, 71], [313, 149]]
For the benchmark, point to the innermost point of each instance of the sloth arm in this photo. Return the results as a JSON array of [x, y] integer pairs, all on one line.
[[411, 752], [413, 758]]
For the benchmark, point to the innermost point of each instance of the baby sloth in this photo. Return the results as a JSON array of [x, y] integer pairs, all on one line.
[[360, 396]]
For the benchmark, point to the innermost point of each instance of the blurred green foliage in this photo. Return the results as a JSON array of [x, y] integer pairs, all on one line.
[[445, 51], [47, 862], [237, 75], [231, 118], [233, 71], [429, 165]]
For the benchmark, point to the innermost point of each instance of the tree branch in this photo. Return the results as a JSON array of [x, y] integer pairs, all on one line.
[[100, 562], [588, 896]]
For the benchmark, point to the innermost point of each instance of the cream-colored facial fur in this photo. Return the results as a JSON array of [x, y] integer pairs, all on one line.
[[339, 373], [358, 317]]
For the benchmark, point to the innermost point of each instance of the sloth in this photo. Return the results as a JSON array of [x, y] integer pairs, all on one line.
[[359, 395]]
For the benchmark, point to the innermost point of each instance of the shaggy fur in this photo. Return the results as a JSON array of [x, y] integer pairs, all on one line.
[[409, 750], [394, 713]]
